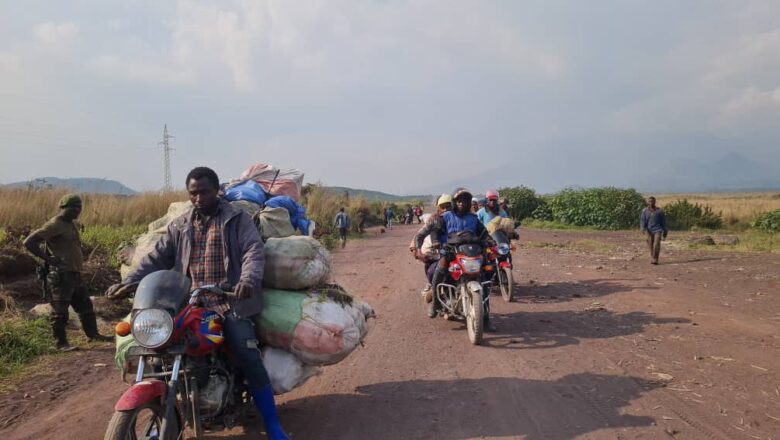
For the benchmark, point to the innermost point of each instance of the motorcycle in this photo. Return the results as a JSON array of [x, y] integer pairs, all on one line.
[[501, 258], [183, 378], [461, 294]]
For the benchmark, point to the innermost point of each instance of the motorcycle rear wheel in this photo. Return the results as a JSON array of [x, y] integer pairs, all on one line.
[[506, 284], [474, 321], [142, 423]]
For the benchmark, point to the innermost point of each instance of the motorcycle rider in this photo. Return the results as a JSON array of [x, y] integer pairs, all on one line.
[[458, 224], [443, 204], [491, 209], [214, 243]]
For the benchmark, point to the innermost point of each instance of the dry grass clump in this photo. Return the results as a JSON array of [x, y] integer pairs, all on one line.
[[22, 207], [735, 208]]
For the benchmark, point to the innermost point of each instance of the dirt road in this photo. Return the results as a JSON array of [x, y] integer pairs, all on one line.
[[599, 345]]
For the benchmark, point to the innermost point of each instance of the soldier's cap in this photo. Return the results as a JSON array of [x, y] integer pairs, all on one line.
[[69, 200]]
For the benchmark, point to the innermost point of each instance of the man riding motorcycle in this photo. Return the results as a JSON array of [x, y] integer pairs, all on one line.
[[491, 209], [458, 225], [417, 247], [214, 243]]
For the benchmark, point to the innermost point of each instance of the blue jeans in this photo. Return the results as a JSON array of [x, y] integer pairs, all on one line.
[[244, 351]]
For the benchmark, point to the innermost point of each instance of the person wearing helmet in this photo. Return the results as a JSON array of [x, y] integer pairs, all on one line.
[[458, 225], [491, 209], [421, 245]]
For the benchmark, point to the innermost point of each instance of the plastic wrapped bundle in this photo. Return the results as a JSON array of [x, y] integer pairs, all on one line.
[[321, 326], [295, 263], [285, 370], [146, 242]]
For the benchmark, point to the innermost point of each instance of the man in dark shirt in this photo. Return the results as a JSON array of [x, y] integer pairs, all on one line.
[[652, 223], [64, 259]]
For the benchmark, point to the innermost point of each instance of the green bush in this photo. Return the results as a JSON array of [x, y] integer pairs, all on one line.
[[523, 201], [21, 340], [543, 211], [683, 215], [768, 222], [107, 240], [602, 208]]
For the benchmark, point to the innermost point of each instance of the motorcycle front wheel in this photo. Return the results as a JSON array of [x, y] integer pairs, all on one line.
[[474, 312], [506, 284], [142, 423]]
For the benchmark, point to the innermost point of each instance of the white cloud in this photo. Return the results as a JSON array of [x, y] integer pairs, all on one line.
[[750, 100], [9, 62], [55, 34]]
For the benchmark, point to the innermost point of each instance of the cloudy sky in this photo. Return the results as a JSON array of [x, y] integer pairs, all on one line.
[[400, 96]]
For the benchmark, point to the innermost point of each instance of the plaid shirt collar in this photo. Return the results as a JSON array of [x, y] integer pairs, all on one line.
[[207, 258]]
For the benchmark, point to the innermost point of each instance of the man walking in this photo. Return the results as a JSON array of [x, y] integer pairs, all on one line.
[[342, 223], [652, 222], [62, 254]]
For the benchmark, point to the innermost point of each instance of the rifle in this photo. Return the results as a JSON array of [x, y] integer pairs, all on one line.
[[42, 272]]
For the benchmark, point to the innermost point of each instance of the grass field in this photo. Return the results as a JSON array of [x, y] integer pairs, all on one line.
[[737, 209]]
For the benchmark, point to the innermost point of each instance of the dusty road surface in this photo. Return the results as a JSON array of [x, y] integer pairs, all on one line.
[[598, 345]]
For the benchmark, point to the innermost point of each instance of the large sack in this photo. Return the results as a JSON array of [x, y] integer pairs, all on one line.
[[506, 225], [285, 370], [146, 242], [274, 223], [249, 191], [320, 326], [295, 263], [297, 212], [250, 208], [274, 181]]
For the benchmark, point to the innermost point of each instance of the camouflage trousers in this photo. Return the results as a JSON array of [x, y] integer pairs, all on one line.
[[68, 290]]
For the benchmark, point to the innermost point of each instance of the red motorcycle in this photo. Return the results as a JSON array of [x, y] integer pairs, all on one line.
[[500, 256], [461, 295], [183, 376]]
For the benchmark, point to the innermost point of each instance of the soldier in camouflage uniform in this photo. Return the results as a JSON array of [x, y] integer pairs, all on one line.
[[63, 256]]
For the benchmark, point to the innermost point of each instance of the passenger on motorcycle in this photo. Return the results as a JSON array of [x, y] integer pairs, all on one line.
[[458, 225], [491, 209], [215, 243], [421, 249]]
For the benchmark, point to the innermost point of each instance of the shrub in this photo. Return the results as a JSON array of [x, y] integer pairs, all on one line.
[[602, 208], [105, 241], [21, 340], [543, 211], [768, 222], [685, 215], [523, 201]]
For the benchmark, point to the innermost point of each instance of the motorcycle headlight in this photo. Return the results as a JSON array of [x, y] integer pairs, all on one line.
[[471, 265], [503, 248], [152, 327]]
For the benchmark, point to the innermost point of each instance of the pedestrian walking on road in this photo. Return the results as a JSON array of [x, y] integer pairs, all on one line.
[[342, 223], [63, 259], [389, 218], [652, 223]]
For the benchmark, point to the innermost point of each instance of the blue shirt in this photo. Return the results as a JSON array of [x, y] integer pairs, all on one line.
[[485, 216], [653, 222]]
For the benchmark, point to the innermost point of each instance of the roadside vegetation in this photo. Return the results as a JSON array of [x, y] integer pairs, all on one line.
[[753, 217]]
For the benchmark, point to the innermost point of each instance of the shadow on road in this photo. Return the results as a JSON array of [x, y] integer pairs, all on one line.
[[528, 330], [467, 408], [557, 292]]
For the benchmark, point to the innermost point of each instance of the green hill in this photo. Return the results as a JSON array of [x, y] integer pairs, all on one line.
[[373, 196]]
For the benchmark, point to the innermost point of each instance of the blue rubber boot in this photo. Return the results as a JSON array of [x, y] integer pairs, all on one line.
[[264, 401]]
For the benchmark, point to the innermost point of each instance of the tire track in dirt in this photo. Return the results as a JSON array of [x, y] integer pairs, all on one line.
[[557, 369]]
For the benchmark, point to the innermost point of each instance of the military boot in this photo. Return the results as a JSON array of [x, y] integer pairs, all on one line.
[[89, 324]]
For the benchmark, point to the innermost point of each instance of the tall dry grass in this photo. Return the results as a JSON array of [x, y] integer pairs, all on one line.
[[33, 208], [735, 208]]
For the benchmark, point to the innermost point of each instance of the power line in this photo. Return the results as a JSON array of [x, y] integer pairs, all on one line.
[[167, 155]]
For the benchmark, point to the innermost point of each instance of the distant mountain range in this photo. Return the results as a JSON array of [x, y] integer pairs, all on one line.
[[372, 196], [78, 184]]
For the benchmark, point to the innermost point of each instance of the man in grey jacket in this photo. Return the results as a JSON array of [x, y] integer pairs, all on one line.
[[652, 222], [213, 244]]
